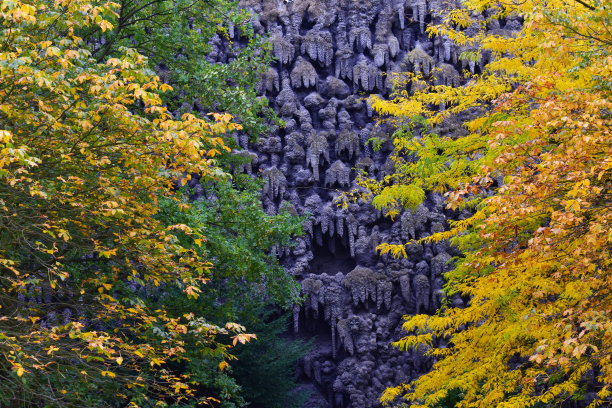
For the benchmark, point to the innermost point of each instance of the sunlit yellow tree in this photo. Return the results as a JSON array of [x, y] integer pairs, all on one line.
[[80, 246], [535, 169]]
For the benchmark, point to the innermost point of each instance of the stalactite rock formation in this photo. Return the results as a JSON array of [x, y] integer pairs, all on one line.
[[330, 56]]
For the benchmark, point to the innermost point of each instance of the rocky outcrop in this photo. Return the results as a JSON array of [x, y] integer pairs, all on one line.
[[332, 54]]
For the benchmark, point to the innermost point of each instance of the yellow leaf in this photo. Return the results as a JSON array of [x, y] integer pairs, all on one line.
[[53, 52], [156, 361], [5, 136], [52, 349], [105, 25]]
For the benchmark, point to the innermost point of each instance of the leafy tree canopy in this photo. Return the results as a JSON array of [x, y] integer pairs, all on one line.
[[186, 41], [81, 246], [535, 172], [244, 284]]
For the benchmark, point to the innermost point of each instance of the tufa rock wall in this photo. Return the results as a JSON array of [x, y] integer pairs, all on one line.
[[330, 56]]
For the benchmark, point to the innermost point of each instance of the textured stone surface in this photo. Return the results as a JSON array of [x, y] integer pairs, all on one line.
[[330, 56]]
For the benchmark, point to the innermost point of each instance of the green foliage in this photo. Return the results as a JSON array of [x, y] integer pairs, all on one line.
[[176, 37], [266, 369], [404, 196], [245, 279], [205, 370], [376, 142], [240, 239]]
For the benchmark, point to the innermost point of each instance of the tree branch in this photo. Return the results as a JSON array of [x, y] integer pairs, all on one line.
[[585, 5]]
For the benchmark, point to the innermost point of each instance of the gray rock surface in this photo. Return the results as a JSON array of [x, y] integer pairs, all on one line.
[[332, 54]]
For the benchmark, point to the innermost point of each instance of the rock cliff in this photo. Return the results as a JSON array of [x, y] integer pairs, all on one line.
[[330, 56]]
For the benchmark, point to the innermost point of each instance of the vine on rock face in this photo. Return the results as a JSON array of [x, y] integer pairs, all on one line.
[[535, 168]]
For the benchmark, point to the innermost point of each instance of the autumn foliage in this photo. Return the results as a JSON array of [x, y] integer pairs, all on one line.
[[535, 172], [87, 152]]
